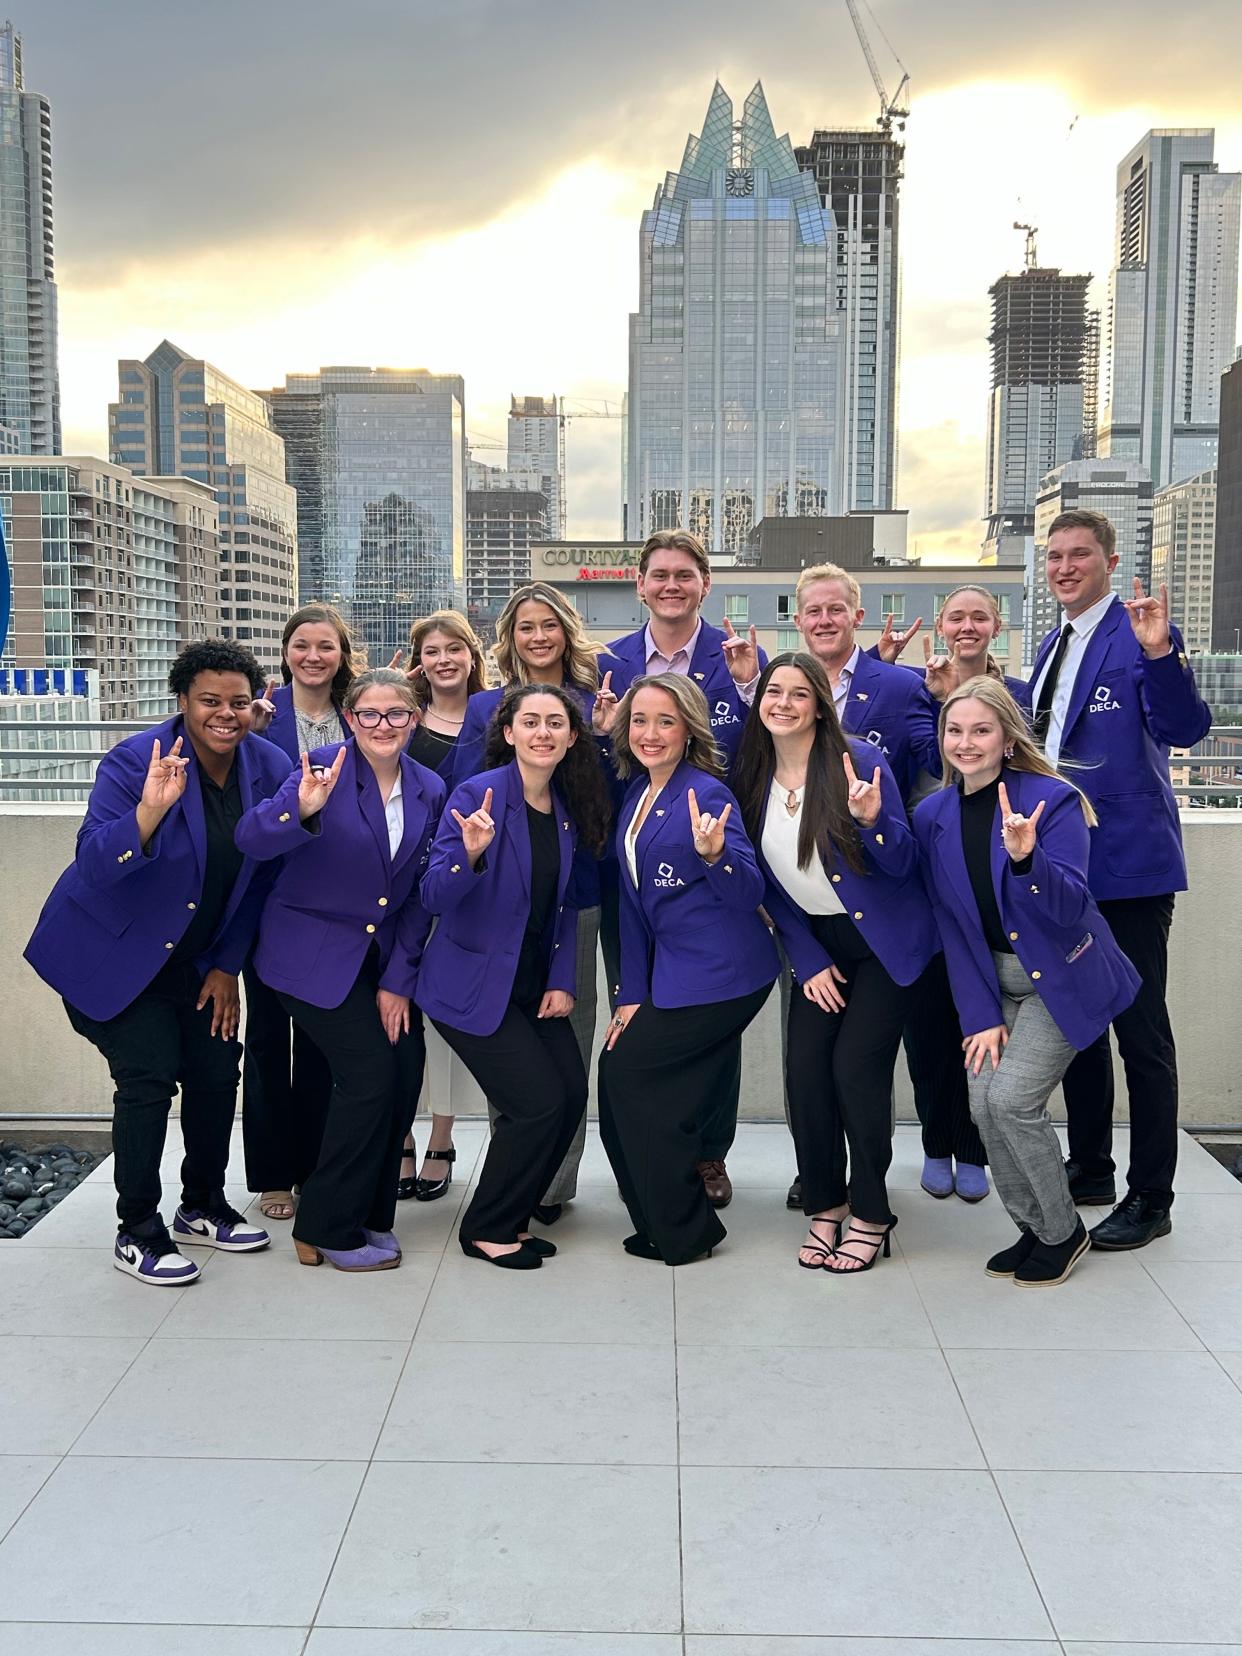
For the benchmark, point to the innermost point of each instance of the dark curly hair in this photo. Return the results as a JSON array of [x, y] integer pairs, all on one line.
[[214, 655], [579, 776]]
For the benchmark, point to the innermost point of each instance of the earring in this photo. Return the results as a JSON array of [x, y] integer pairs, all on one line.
[[1009, 753]]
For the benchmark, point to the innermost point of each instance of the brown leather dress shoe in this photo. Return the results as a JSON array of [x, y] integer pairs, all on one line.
[[716, 1183]]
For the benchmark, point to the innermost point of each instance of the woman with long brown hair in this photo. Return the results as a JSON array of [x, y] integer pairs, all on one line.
[[826, 817]]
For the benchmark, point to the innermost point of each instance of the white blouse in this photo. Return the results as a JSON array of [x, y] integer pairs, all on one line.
[[394, 814], [631, 833], [810, 888]]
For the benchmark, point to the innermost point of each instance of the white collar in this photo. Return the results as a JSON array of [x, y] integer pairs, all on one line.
[[1085, 623], [652, 648], [396, 788]]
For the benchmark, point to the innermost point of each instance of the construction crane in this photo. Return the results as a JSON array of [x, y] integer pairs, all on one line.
[[590, 408], [1032, 262], [891, 109]]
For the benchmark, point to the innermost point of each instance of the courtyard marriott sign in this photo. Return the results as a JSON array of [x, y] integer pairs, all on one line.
[[596, 561]]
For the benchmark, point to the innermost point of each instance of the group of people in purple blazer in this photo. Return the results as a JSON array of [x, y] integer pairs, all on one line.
[[413, 875]]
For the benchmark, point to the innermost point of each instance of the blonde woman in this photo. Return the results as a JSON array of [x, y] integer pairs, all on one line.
[[1035, 971], [540, 639]]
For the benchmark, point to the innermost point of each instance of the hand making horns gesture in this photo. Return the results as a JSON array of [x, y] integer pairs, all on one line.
[[317, 784], [741, 654], [1018, 832], [604, 712], [262, 708], [940, 675], [1149, 617], [397, 665], [890, 644], [708, 831], [477, 830], [863, 798], [166, 778]]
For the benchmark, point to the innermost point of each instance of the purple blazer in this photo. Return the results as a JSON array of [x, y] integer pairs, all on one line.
[[1057, 932], [888, 903], [283, 729], [690, 934], [891, 708], [1019, 689], [117, 912], [1124, 715], [708, 669], [338, 891], [471, 960]]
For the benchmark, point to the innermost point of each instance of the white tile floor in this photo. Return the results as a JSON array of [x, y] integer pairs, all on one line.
[[608, 1458]]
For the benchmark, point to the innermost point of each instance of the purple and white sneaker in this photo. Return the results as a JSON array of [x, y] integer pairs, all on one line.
[[153, 1259], [222, 1227]]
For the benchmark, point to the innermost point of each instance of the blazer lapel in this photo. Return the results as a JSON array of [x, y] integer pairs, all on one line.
[[1042, 654], [192, 799], [949, 832], [663, 813], [414, 811], [514, 807], [565, 844], [1089, 666], [707, 657], [861, 693], [370, 804]]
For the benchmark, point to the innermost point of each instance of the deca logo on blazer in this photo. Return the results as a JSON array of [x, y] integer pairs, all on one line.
[[877, 740], [1103, 701], [723, 713], [666, 878]]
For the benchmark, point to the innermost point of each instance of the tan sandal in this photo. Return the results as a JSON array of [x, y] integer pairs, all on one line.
[[276, 1204]]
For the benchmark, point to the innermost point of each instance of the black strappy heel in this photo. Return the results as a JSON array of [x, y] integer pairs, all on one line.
[[879, 1237], [818, 1247], [430, 1190]]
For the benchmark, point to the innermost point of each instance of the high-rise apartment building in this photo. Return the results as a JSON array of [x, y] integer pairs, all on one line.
[[1227, 560], [1039, 342], [858, 173], [29, 376], [1172, 304], [178, 416], [1124, 494], [506, 514], [110, 572], [736, 389], [377, 457], [1183, 550], [537, 444]]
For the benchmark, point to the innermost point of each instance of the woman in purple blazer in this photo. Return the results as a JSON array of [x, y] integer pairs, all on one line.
[[844, 891], [285, 1078], [1035, 971], [340, 942], [499, 974], [143, 938], [697, 963]]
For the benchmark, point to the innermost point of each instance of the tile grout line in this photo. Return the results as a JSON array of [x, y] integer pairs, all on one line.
[[681, 1550]]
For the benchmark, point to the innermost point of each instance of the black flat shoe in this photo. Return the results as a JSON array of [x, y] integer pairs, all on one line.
[[641, 1247], [549, 1214], [522, 1259], [1048, 1264], [406, 1188], [430, 1190], [539, 1245], [1132, 1225], [1006, 1262], [793, 1198], [1090, 1190]]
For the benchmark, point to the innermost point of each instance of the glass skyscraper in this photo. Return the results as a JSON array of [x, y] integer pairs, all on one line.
[[378, 459], [29, 377], [735, 385]]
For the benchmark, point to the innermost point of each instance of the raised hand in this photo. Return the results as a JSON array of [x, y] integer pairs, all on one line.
[[862, 798], [165, 780], [604, 712], [741, 654], [263, 708], [1149, 619], [316, 785], [708, 831], [477, 830], [941, 673], [890, 644], [1018, 832]]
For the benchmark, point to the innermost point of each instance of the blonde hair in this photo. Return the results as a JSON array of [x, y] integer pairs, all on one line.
[[993, 667], [828, 572], [691, 704], [580, 663], [453, 623], [1021, 752]]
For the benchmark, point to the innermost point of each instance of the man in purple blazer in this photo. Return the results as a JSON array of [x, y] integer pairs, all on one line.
[[143, 937], [1112, 691]]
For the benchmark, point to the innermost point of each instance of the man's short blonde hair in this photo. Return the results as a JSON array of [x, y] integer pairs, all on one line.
[[828, 572]]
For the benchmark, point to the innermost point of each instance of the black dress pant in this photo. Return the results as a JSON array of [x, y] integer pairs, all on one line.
[[840, 1079], [375, 1088], [284, 1102], [664, 1078], [933, 1039], [1141, 926], [531, 1070], [158, 1043]]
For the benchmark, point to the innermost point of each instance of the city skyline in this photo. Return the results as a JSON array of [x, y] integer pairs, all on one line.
[[313, 266]]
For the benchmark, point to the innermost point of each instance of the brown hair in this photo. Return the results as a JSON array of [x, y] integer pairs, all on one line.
[[579, 664], [353, 656], [1080, 518], [454, 623], [675, 540], [579, 775], [1021, 752], [384, 678], [691, 704]]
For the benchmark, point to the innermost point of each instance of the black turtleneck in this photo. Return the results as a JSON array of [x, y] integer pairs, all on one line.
[[980, 825]]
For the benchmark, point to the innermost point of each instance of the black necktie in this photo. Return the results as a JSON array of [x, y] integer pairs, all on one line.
[[1043, 707]]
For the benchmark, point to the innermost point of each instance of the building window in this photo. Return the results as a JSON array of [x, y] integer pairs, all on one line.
[[789, 638], [894, 604], [737, 608]]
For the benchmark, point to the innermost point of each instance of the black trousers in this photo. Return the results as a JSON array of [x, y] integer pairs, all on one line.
[[657, 1086], [375, 1088], [286, 1085], [933, 1039], [840, 1079], [718, 1128], [531, 1070], [157, 1044], [1141, 926]]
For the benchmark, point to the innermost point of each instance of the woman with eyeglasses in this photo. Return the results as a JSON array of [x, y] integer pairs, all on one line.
[[340, 942]]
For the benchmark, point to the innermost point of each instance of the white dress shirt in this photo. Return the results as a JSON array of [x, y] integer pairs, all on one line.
[[810, 888], [394, 812], [655, 661], [637, 822], [1083, 626], [841, 689]]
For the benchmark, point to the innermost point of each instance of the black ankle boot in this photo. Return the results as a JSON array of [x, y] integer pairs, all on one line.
[[1050, 1263]]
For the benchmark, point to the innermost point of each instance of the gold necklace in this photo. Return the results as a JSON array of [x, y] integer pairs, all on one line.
[[792, 802]]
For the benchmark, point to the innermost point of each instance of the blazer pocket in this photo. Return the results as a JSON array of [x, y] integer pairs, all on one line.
[[458, 973], [1131, 849], [296, 938], [112, 916]]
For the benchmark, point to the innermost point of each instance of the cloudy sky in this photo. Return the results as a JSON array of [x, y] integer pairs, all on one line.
[[457, 184]]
